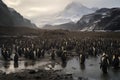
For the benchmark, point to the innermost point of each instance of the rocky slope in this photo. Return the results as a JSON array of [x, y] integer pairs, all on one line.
[[10, 17], [102, 19], [5, 17]]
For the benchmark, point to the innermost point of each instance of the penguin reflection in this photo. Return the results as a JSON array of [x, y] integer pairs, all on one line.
[[16, 65], [16, 61], [82, 66]]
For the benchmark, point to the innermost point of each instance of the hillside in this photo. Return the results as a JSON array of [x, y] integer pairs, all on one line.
[[10, 17]]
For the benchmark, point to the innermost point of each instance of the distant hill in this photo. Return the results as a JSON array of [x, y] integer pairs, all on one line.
[[10, 17], [66, 26]]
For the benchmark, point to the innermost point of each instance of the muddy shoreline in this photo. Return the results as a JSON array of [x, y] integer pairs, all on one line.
[[72, 71], [36, 74], [39, 73]]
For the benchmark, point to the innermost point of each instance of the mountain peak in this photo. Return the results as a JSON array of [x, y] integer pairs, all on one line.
[[72, 12], [75, 10], [74, 4]]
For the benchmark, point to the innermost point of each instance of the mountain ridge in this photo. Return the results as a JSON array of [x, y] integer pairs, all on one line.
[[71, 13], [10, 17], [104, 19], [75, 10]]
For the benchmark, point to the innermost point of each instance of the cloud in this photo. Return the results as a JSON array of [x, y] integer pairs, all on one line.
[[13, 2], [32, 8], [100, 3]]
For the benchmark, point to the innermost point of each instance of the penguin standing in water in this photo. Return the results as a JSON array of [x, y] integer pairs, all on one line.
[[82, 58], [53, 55], [104, 63], [64, 56], [16, 60], [115, 61]]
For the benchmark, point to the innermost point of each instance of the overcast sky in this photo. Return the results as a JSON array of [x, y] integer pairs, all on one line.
[[33, 8]]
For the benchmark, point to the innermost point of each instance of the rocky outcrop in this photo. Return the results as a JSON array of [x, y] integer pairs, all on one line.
[[102, 19]]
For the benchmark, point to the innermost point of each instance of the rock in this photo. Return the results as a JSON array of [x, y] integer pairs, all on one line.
[[37, 77], [32, 72]]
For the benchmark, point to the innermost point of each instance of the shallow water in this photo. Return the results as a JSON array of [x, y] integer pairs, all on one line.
[[10, 67], [90, 70]]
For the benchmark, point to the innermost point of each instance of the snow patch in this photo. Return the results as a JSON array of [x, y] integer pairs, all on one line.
[[84, 29]]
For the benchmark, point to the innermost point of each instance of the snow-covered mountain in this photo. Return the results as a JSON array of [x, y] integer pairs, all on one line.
[[104, 19], [72, 13]]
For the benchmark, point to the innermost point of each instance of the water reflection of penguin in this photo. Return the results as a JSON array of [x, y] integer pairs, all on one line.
[[26, 64], [53, 55], [16, 60], [82, 66], [53, 65], [29, 63], [64, 64], [6, 64], [16, 65]]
